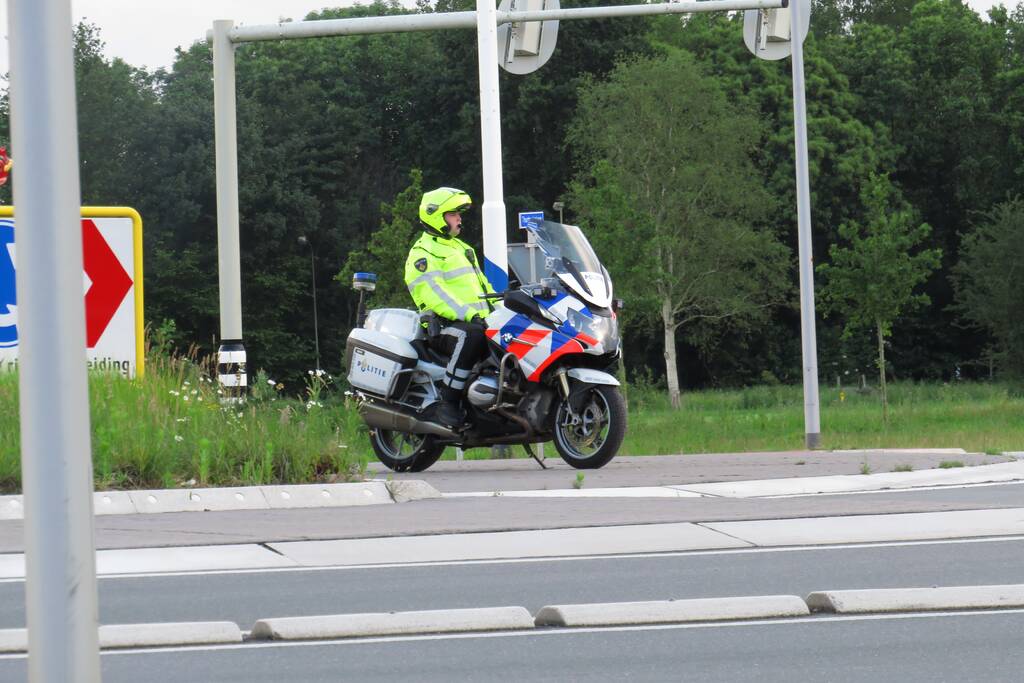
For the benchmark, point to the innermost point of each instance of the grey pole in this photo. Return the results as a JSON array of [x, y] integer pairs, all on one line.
[[493, 213], [808, 336], [60, 558], [316, 326], [231, 355]]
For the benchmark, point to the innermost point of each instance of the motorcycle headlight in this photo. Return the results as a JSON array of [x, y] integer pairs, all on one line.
[[598, 327]]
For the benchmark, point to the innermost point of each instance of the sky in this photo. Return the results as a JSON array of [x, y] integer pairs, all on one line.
[[146, 32]]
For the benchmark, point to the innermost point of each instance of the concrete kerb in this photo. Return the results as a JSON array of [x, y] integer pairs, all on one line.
[[849, 483], [917, 599], [405, 490], [143, 635], [672, 611], [243, 498], [490, 619], [327, 495], [195, 500], [393, 623]]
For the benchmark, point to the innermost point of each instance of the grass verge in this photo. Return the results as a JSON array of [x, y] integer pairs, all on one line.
[[978, 417], [169, 429]]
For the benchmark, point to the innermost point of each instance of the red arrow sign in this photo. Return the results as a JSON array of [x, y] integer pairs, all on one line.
[[110, 282]]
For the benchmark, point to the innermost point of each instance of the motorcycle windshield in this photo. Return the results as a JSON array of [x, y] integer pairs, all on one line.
[[569, 256]]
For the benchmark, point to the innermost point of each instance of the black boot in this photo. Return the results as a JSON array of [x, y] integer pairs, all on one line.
[[447, 410], [445, 413]]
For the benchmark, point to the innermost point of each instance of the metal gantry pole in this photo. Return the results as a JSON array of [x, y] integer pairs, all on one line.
[[316, 323], [808, 336], [231, 354], [56, 457], [493, 214]]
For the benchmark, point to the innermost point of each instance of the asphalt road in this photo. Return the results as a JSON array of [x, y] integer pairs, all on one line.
[[244, 597], [927, 648]]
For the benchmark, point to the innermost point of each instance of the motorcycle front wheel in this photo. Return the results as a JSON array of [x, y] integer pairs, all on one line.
[[591, 437], [403, 452]]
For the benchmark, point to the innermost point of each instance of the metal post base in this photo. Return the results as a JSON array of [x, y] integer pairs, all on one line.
[[231, 370], [813, 441]]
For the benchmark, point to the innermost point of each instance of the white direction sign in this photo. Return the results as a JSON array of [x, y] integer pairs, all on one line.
[[111, 285], [768, 33], [525, 46]]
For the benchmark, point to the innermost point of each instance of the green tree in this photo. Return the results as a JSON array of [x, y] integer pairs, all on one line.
[[987, 281], [666, 172], [871, 281], [939, 82], [388, 247], [842, 152]]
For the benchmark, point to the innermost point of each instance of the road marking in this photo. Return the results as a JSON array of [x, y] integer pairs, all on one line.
[[542, 633], [573, 558]]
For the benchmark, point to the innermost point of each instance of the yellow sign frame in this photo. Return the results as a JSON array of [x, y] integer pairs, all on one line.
[[121, 212]]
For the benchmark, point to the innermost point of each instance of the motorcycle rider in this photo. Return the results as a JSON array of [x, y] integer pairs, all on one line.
[[444, 276]]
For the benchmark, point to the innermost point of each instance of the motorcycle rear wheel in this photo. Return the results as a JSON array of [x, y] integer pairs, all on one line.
[[593, 438], [403, 452]]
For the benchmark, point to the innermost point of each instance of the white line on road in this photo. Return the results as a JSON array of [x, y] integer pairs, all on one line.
[[541, 633], [574, 558]]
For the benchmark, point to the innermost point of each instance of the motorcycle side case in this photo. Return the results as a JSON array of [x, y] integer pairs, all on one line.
[[379, 363], [398, 322]]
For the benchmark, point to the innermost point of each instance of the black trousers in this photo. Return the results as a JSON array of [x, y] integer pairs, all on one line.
[[464, 343]]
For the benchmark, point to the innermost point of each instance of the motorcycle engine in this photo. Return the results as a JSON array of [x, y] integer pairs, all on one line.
[[483, 391]]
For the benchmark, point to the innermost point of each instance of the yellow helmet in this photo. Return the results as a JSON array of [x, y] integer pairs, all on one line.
[[436, 203]]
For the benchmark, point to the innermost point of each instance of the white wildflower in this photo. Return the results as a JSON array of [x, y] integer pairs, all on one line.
[[179, 439], [172, 392], [184, 398]]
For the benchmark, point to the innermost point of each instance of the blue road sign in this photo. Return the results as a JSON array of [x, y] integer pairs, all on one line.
[[531, 219], [8, 300]]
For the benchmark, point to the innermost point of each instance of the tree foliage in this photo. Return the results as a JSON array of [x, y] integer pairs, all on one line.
[[387, 249], [987, 280], [329, 130], [667, 171], [872, 278]]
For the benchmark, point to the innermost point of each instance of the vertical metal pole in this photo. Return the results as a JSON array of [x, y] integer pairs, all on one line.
[[56, 460], [493, 214], [808, 336], [316, 324], [231, 355]]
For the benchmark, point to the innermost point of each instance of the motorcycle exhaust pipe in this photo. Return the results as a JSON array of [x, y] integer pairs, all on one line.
[[383, 417]]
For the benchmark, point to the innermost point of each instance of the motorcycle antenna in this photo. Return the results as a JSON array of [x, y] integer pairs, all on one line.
[[363, 283]]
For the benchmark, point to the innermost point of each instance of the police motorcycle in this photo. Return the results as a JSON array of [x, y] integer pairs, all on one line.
[[553, 338]]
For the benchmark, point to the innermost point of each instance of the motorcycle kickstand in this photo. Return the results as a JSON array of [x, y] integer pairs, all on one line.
[[529, 451]]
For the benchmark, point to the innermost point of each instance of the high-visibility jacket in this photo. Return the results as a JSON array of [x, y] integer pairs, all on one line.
[[443, 276]]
